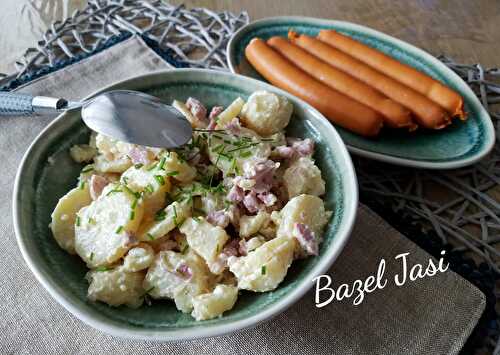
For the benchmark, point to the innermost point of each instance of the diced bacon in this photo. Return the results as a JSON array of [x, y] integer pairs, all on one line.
[[234, 126], [251, 202], [184, 271], [97, 184], [242, 247], [303, 147], [197, 109], [284, 152], [232, 248], [264, 175], [215, 111], [167, 245], [236, 194], [139, 155], [306, 238], [218, 218], [267, 198], [130, 240], [212, 124]]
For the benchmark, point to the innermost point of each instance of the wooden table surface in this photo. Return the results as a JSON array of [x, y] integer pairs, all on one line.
[[466, 30]]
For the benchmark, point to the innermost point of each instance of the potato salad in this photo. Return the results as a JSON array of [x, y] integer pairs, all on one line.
[[229, 211]]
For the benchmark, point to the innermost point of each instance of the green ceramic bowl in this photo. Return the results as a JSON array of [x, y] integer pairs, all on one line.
[[47, 173], [460, 144]]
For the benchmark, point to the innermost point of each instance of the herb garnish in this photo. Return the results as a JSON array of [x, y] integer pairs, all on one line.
[[160, 215], [88, 169], [160, 179]]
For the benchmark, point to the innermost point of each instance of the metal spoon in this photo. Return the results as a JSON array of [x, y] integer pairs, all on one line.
[[128, 116]]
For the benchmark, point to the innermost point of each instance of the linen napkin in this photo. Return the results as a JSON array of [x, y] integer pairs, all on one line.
[[432, 315]]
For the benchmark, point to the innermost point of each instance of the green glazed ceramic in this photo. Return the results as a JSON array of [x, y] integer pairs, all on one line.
[[47, 173], [460, 144]]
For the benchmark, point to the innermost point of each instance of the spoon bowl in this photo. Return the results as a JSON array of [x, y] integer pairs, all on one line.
[[135, 117], [125, 115]]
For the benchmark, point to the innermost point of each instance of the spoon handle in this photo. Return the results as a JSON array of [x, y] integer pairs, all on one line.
[[13, 104]]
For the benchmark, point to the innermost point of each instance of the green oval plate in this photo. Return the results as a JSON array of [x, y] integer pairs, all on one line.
[[47, 173], [460, 144]]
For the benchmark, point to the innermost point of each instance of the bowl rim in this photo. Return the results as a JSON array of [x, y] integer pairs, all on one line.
[[347, 175], [401, 161]]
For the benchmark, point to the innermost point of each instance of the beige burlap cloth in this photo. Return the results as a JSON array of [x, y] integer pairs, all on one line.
[[434, 315]]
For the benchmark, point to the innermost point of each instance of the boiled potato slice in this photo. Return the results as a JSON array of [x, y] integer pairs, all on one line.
[[250, 225], [172, 216], [82, 153], [266, 113], [230, 112], [205, 239], [213, 304], [303, 177], [179, 277], [178, 168], [64, 216], [152, 183], [306, 209], [103, 230], [103, 165], [138, 258], [264, 268], [116, 287]]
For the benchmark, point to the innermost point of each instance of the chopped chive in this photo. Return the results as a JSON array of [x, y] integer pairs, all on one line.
[[77, 221], [127, 189], [186, 247], [217, 148], [125, 180], [138, 165], [131, 215], [119, 230], [237, 170], [175, 215], [91, 256], [160, 215], [113, 191], [102, 268], [227, 141], [162, 163], [242, 147], [82, 185], [218, 156], [245, 154], [150, 236], [196, 219], [218, 248], [92, 221], [150, 289], [160, 179], [263, 270], [134, 204], [88, 169], [149, 188], [173, 173]]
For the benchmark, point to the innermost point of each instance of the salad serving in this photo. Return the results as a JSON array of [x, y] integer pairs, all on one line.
[[229, 211]]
